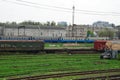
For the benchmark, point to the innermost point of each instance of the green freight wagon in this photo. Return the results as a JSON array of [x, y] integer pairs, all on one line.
[[21, 45]]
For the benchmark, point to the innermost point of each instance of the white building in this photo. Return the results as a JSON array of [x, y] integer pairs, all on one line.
[[33, 31], [49, 32]]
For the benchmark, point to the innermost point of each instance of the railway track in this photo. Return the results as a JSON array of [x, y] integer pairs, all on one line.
[[65, 74], [111, 77], [61, 51], [71, 51]]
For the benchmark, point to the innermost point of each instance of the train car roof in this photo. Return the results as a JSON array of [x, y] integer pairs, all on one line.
[[100, 40], [21, 41]]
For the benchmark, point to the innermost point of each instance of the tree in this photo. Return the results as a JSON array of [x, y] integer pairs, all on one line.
[[48, 23], [30, 23], [101, 34], [106, 33], [53, 23], [13, 23], [118, 33], [90, 33], [2, 24]]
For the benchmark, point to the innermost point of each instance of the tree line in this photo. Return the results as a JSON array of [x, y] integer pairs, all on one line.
[[29, 22], [103, 33]]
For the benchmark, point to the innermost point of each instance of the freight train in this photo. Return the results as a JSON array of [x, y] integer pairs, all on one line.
[[33, 44]]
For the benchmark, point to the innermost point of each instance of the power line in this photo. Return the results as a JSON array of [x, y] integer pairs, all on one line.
[[36, 5], [43, 5], [66, 8], [98, 11]]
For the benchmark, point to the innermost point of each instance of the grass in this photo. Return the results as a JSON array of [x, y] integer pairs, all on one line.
[[61, 45], [26, 65]]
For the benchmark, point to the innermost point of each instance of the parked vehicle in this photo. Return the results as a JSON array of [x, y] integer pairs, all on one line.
[[110, 48]]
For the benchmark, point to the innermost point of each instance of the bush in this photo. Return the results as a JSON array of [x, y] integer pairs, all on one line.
[[119, 56]]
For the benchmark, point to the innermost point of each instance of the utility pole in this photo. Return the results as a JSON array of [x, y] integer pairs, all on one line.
[[73, 20], [73, 13]]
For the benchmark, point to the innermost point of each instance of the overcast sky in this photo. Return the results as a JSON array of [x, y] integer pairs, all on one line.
[[45, 10]]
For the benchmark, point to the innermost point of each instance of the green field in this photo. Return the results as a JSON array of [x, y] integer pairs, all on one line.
[[26, 65]]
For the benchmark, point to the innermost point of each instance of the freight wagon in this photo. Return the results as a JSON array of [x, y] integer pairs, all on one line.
[[21, 45], [99, 45], [68, 41]]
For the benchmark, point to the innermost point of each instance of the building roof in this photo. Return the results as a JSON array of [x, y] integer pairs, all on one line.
[[34, 27]]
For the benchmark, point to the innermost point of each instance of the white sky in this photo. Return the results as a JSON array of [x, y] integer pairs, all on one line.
[[15, 12]]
